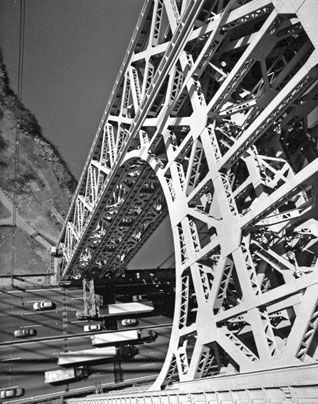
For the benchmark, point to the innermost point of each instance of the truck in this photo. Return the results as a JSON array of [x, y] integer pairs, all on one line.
[[115, 337], [87, 355], [117, 309], [122, 309], [62, 375], [124, 337], [96, 354]]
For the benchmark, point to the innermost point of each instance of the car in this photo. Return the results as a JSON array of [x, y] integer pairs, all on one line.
[[12, 392], [92, 327], [80, 315], [137, 298], [44, 305], [127, 322], [128, 351], [24, 332], [152, 336]]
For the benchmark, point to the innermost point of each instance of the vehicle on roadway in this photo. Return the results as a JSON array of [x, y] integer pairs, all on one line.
[[128, 322], [151, 337], [126, 309], [117, 309], [12, 392], [80, 315], [24, 332], [68, 374], [122, 337], [92, 327], [43, 305], [87, 355], [127, 351], [95, 355], [138, 298]]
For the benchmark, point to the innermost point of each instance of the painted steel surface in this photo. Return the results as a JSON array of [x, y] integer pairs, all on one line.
[[213, 120]]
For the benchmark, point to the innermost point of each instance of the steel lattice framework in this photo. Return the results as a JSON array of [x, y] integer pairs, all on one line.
[[213, 119]]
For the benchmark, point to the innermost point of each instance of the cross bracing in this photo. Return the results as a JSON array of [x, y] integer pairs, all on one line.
[[213, 120]]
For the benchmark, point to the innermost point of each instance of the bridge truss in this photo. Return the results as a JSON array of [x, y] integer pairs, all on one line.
[[213, 120]]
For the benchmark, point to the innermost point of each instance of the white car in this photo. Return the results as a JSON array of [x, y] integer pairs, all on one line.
[[43, 305], [24, 332], [92, 327], [12, 392], [129, 322]]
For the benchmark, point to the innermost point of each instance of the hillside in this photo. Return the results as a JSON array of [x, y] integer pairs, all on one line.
[[43, 184]]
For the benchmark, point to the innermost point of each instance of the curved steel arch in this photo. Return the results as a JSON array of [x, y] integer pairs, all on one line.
[[220, 99]]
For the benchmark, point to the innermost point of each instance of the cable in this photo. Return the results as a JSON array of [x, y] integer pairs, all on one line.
[[166, 260], [17, 129], [21, 49]]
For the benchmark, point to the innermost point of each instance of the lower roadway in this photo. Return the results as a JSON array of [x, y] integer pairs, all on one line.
[[24, 364]]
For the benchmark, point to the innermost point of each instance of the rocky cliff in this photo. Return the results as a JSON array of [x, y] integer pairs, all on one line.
[[32, 173]]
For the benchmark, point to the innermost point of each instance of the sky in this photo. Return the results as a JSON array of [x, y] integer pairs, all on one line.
[[72, 53]]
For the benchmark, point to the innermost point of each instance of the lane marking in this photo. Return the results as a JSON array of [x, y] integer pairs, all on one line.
[[78, 321], [34, 291], [88, 388], [65, 322], [10, 387], [33, 325], [32, 313], [10, 359], [71, 336], [146, 365], [44, 339], [57, 393]]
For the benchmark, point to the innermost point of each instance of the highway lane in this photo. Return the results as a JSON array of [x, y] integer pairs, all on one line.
[[46, 324], [150, 357], [25, 299], [50, 293], [16, 310], [24, 365]]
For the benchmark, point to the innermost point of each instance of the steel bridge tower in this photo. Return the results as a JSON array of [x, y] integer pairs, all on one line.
[[213, 120]]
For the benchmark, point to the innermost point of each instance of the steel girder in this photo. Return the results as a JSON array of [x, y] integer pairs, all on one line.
[[218, 99]]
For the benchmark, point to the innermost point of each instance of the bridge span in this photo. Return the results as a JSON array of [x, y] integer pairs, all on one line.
[[213, 121]]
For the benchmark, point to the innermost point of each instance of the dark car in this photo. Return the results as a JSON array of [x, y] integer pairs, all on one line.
[[128, 351], [12, 392], [151, 337], [24, 332]]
